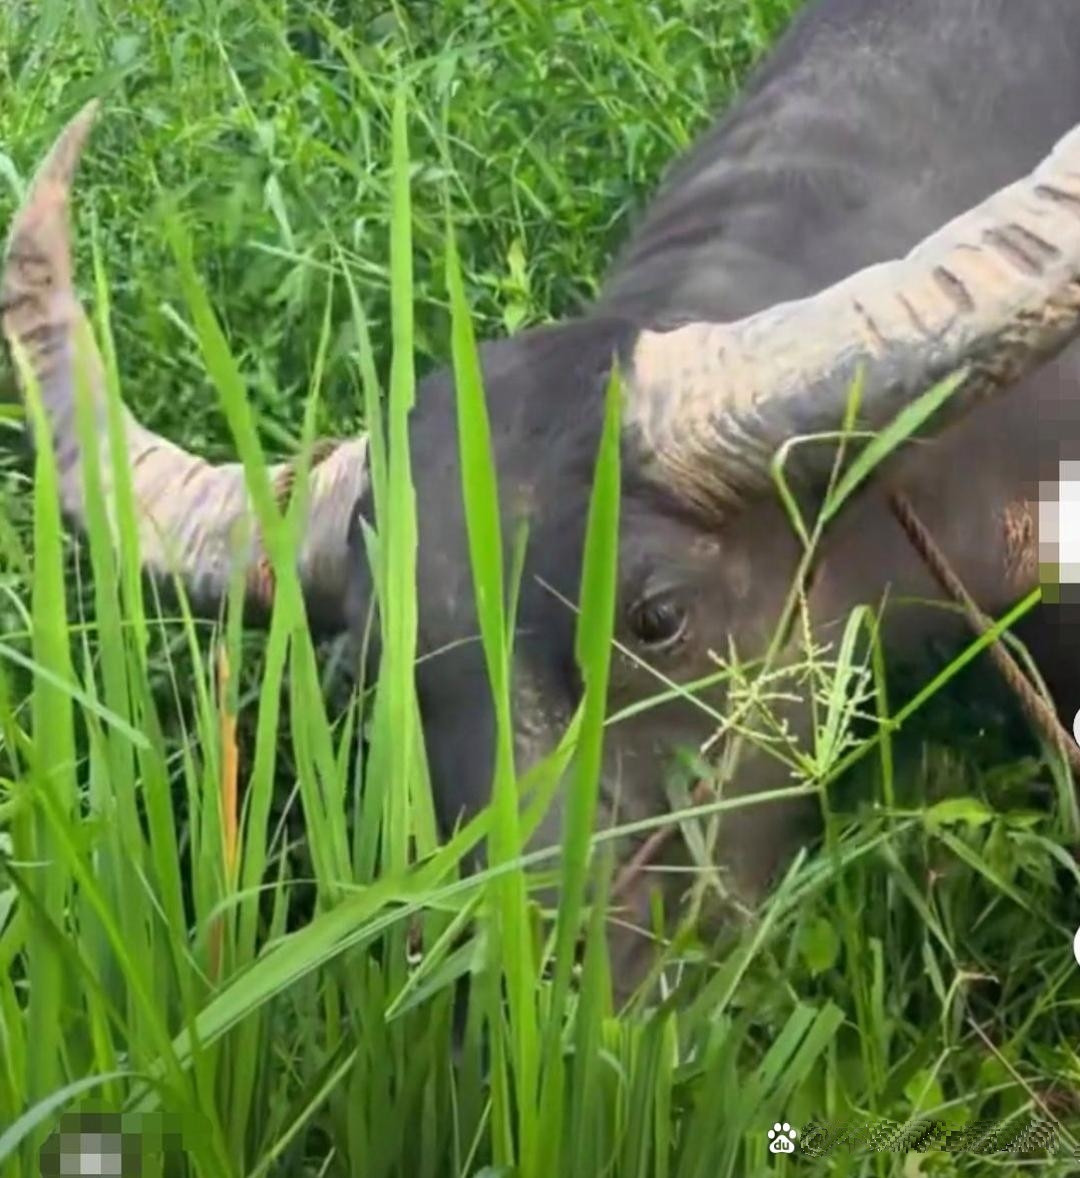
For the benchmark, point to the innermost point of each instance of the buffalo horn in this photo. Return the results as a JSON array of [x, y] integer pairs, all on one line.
[[195, 518], [989, 296]]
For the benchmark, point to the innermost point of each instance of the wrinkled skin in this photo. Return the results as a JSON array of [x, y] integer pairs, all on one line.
[[870, 124]]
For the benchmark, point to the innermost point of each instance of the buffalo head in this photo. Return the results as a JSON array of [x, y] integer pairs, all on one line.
[[706, 551]]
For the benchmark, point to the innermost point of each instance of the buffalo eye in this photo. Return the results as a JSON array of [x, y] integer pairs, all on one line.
[[658, 622]]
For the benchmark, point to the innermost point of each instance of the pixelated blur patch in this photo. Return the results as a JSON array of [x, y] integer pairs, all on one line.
[[1059, 535], [109, 1145]]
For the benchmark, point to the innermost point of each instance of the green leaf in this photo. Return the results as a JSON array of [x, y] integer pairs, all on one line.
[[966, 811], [906, 423], [819, 945]]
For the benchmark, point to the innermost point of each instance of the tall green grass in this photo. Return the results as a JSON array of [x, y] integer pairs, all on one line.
[[216, 901], [252, 1035]]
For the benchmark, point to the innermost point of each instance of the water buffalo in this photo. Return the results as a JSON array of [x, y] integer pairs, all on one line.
[[896, 194]]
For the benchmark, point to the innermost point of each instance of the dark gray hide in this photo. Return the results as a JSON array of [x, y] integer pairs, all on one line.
[[871, 126]]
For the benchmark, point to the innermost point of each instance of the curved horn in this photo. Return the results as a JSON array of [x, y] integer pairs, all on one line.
[[189, 511], [995, 292]]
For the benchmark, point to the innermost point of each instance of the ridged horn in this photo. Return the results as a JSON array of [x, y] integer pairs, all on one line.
[[191, 513], [994, 292]]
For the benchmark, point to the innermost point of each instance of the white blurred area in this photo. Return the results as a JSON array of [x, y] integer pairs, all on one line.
[[1059, 523]]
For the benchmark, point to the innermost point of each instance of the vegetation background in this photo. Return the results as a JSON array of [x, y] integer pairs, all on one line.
[[191, 920]]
